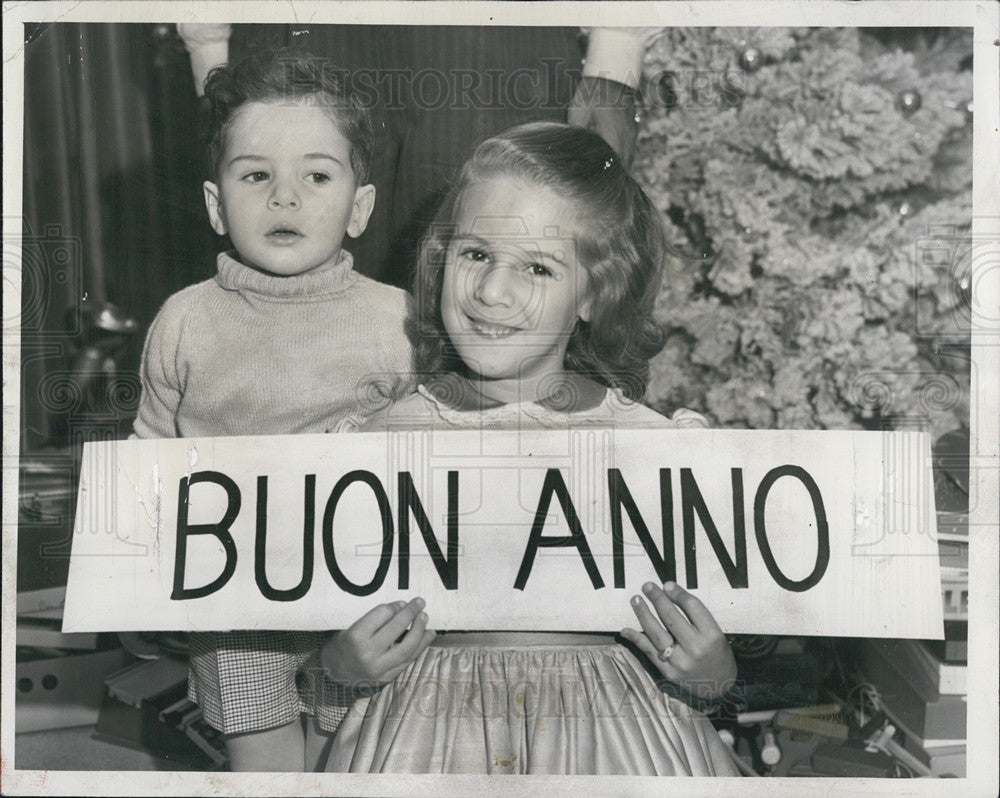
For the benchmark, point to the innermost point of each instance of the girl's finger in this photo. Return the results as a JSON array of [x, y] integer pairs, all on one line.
[[658, 636], [643, 643], [698, 613], [671, 616], [392, 673], [398, 623], [414, 641], [375, 618]]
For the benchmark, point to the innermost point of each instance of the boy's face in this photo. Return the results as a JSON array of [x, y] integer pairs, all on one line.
[[513, 287], [286, 192]]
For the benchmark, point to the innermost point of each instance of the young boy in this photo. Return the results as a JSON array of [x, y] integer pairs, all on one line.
[[286, 338]]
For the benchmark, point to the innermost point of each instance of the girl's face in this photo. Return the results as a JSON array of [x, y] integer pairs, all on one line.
[[513, 287]]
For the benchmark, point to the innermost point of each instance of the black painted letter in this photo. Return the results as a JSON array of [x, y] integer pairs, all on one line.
[[692, 501], [220, 530], [342, 581], [822, 528], [619, 496], [447, 567], [260, 544], [554, 484]]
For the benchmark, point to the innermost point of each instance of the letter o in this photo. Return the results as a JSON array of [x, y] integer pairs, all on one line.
[[385, 510], [822, 528]]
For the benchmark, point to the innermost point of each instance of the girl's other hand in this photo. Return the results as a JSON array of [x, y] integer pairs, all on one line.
[[683, 641], [376, 647]]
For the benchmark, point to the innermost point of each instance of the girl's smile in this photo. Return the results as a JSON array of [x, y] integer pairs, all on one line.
[[513, 289], [491, 330]]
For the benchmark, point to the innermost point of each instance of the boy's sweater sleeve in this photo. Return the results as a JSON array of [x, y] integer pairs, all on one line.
[[390, 310], [404, 354], [161, 373]]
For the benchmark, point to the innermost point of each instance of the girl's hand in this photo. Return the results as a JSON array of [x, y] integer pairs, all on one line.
[[687, 647], [371, 651]]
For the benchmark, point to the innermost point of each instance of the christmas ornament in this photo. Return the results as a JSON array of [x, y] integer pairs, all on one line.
[[965, 291], [908, 101], [666, 90], [751, 59]]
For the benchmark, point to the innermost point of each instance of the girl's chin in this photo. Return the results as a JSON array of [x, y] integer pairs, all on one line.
[[509, 371]]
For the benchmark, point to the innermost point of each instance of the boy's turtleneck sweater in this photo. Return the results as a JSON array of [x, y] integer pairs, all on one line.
[[248, 353]]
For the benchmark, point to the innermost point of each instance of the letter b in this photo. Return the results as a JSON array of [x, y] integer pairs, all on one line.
[[220, 530]]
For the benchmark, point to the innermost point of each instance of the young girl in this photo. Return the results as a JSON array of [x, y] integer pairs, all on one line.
[[535, 292]]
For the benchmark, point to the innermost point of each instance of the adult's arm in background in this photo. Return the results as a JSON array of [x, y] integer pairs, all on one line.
[[608, 99]]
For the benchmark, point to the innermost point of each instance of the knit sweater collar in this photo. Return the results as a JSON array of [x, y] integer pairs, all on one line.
[[329, 279]]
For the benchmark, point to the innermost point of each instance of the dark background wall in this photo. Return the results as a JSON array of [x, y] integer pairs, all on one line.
[[113, 213]]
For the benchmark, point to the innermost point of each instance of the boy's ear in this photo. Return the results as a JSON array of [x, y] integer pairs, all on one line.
[[361, 211], [213, 203]]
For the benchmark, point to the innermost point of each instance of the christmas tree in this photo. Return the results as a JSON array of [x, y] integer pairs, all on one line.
[[817, 184]]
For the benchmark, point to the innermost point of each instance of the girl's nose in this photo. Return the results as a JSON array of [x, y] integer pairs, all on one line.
[[494, 286], [283, 196]]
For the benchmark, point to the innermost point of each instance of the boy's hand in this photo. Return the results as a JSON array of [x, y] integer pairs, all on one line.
[[368, 653], [687, 647]]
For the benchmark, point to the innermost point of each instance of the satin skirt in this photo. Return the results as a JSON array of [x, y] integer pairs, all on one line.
[[566, 710]]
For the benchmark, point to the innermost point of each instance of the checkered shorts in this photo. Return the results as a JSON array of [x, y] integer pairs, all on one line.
[[256, 680]]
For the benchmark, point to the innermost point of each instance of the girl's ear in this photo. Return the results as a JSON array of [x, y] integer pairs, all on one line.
[[361, 211], [583, 311], [213, 203]]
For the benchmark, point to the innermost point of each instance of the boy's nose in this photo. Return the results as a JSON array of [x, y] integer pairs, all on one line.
[[283, 196], [495, 286]]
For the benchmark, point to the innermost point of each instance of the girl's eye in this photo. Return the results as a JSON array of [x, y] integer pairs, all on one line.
[[475, 254], [319, 178], [538, 270], [256, 177]]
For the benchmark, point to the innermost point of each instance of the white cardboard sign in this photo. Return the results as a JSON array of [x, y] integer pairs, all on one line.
[[816, 533]]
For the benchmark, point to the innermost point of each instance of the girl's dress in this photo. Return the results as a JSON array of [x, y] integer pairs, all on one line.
[[539, 703]]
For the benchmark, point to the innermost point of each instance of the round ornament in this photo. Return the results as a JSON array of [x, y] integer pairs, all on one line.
[[908, 101], [667, 91], [751, 59]]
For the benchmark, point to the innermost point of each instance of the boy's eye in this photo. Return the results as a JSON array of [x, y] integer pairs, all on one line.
[[319, 177], [256, 177]]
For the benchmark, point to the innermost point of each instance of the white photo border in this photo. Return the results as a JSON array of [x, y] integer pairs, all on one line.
[[983, 16]]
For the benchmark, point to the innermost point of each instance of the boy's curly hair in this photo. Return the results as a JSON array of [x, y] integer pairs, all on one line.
[[287, 74], [621, 244]]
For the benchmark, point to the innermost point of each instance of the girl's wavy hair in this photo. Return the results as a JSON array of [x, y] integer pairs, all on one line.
[[287, 74], [620, 242]]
